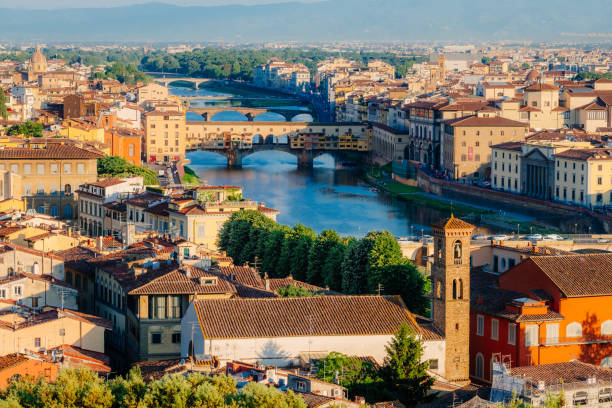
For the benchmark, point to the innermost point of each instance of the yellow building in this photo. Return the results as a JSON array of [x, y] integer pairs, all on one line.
[[47, 176], [200, 222], [165, 136], [77, 129], [12, 204], [582, 177], [541, 107], [466, 144]]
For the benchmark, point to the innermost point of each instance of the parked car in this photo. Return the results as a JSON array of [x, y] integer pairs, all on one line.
[[534, 237], [553, 237], [479, 237], [499, 237]]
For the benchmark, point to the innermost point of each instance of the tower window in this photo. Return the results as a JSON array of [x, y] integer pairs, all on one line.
[[460, 289], [457, 252], [438, 290], [454, 288]]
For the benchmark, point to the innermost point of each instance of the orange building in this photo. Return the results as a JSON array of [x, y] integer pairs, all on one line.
[[547, 309], [13, 365], [124, 143]]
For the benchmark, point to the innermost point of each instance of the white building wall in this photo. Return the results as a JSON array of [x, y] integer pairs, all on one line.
[[285, 351]]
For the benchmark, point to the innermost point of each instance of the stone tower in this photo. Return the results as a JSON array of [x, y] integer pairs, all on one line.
[[441, 68], [451, 294]]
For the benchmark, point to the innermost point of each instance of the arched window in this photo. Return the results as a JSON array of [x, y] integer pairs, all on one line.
[[67, 189], [479, 369], [606, 328], [454, 289], [439, 248], [573, 330], [460, 288], [54, 212], [457, 252]]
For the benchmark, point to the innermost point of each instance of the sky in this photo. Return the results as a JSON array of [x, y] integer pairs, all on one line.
[[59, 4]]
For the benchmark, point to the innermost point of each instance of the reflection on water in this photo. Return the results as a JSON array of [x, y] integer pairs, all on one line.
[[321, 198]]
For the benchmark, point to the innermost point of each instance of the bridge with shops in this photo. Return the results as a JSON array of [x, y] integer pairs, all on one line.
[[251, 113]]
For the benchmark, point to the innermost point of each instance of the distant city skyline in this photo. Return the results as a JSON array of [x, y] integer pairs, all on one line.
[[60, 4]]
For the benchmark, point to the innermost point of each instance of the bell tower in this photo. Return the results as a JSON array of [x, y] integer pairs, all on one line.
[[450, 278]]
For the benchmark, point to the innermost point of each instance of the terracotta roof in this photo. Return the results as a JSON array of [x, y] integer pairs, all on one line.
[[11, 360], [586, 154], [541, 87], [568, 372], [107, 182], [453, 223], [177, 282], [475, 121], [509, 146], [156, 369], [306, 316], [245, 275], [578, 275], [52, 151]]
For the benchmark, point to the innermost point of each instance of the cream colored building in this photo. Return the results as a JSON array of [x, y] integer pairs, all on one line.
[[541, 107], [152, 92], [48, 176], [496, 90], [38, 291], [164, 139], [50, 329], [506, 166], [200, 222], [584, 177], [466, 144]]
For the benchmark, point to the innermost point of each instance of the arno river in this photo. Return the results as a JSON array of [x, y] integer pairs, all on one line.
[[321, 198]]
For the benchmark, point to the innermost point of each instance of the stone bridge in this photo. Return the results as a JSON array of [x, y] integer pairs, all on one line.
[[165, 81], [305, 157], [251, 113]]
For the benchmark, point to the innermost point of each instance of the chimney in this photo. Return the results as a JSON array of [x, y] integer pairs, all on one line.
[[266, 281]]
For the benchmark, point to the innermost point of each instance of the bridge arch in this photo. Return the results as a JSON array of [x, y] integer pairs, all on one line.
[[270, 116], [271, 139], [283, 139], [257, 139], [229, 115]]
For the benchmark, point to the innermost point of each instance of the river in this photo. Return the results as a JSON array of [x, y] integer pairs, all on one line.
[[324, 197]]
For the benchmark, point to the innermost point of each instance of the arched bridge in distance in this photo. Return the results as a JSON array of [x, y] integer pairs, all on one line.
[[305, 157], [251, 113], [305, 141]]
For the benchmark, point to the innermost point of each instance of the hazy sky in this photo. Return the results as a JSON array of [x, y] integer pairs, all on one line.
[[55, 4]]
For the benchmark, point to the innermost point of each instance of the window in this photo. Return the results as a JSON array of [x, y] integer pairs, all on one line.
[[34, 301], [156, 338], [157, 308], [40, 169], [17, 290], [494, 329], [599, 181], [2, 293], [531, 335], [80, 168], [511, 333], [433, 364], [36, 341], [479, 362], [67, 168], [480, 325], [573, 330], [552, 333], [53, 168], [300, 385], [27, 168], [131, 150], [175, 307], [606, 328]]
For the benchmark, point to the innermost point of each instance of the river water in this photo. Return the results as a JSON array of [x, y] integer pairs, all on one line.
[[324, 197]]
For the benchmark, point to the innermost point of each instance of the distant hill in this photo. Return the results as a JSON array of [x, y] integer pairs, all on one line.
[[375, 20]]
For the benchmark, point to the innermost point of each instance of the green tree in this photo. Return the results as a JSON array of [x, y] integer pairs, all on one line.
[[355, 266], [30, 129], [3, 108], [384, 251], [405, 280], [403, 371], [298, 263], [349, 370], [320, 250], [129, 392], [255, 395], [332, 269], [271, 253], [295, 291]]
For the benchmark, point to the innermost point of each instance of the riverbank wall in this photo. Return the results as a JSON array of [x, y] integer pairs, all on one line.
[[568, 217]]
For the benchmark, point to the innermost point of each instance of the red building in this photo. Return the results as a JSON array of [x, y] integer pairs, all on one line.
[[547, 309]]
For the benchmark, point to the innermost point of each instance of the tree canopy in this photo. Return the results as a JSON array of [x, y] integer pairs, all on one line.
[[368, 265], [85, 389], [115, 166], [28, 129]]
